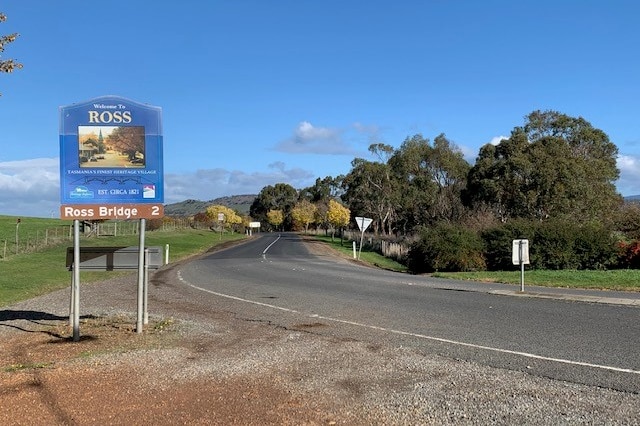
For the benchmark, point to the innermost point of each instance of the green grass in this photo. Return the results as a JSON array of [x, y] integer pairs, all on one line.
[[28, 231], [622, 279], [370, 257], [619, 279], [24, 276]]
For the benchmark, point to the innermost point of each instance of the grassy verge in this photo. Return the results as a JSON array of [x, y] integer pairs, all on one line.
[[29, 275], [346, 249], [620, 279]]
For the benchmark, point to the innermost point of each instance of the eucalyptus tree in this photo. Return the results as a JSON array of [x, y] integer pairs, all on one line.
[[280, 196], [554, 166], [369, 190], [429, 180], [323, 190]]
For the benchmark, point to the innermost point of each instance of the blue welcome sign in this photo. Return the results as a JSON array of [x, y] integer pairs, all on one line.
[[111, 160]]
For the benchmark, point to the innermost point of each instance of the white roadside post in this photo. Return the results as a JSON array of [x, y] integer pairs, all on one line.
[[520, 256], [363, 224]]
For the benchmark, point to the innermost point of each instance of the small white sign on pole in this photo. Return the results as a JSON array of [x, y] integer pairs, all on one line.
[[520, 256], [363, 224], [520, 252]]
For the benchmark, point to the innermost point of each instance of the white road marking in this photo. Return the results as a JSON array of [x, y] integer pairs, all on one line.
[[269, 246], [420, 336]]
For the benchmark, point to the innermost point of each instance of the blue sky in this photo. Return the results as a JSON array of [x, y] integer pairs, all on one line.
[[259, 92]]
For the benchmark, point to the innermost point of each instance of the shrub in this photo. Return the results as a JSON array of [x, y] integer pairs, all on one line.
[[498, 242], [595, 247], [629, 254], [553, 244], [446, 248]]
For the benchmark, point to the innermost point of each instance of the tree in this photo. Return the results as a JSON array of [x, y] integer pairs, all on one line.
[[554, 166], [281, 196], [323, 190], [275, 218], [304, 213], [338, 216], [127, 140], [230, 217], [430, 179], [7, 65], [370, 191]]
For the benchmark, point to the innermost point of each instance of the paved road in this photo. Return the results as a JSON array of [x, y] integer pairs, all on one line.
[[274, 278]]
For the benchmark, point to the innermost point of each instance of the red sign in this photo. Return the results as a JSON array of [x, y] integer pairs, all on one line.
[[111, 211]]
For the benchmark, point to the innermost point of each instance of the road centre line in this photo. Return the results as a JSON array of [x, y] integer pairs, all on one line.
[[269, 246], [417, 335]]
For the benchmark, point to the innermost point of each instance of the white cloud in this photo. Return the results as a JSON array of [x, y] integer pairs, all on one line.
[[497, 139], [629, 181], [308, 139], [30, 187], [372, 132]]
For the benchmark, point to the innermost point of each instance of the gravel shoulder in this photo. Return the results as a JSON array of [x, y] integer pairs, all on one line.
[[201, 362]]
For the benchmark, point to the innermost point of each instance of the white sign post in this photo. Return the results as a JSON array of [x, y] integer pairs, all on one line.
[[253, 225], [520, 256], [363, 224], [221, 221]]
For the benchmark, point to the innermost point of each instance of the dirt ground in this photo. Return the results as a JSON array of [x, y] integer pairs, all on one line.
[[115, 376]]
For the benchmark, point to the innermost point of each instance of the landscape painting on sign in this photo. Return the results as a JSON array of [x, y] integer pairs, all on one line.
[[111, 146]]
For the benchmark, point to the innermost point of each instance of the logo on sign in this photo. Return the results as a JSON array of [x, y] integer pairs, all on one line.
[[81, 192], [148, 191]]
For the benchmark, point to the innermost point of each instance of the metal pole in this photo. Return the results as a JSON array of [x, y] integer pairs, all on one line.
[[76, 280], [145, 298], [166, 254], [520, 256], [71, 295], [140, 276]]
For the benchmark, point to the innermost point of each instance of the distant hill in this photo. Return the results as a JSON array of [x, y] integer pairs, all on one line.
[[632, 198], [241, 203]]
